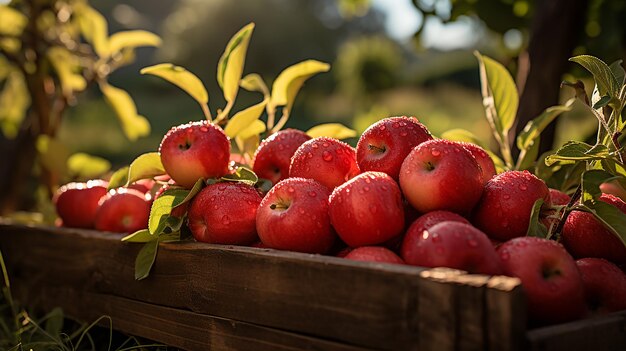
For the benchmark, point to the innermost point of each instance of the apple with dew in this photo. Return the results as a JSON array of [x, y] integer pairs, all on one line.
[[294, 216], [424, 222], [373, 254], [386, 143], [504, 210], [367, 209], [455, 245], [326, 160], [584, 236], [550, 279], [123, 210], [224, 213], [77, 203], [614, 188], [487, 167], [195, 150], [273, 156], [604, 283], [441, 175], [558, 198]]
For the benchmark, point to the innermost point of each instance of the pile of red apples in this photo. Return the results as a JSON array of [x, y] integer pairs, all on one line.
[[400, 197]]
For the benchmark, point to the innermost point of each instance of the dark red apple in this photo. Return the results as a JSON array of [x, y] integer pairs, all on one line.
[[123, 210], [504, 210], [374, 254], [195, 150], [77, 203], [224, 213], [367, 210], [328, 161], [550, 279], [558, 198], [386, 143], [414, 233], [441, 175], [605, 285], [487, 167], [294, 216], [273, 156]]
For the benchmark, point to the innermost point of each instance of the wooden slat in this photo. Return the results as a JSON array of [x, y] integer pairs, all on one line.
[[505, 314]]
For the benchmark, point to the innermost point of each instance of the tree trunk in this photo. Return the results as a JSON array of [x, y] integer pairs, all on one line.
[[555, 31], [18, 158]]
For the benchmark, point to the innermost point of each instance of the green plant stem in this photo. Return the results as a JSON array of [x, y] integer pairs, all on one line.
[[281, 123], [223, 115], [271, 114], [207, 112]]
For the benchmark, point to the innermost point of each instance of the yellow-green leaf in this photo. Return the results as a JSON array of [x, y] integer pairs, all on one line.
[[331, 130], [68, 70], [14, 103], [132, 39], [289, 81], [243, 119], [230, 65], [119, 178], [94, 27], [182, 78], [145, 166], [12, 21], [84, 166], [53, 155], [255, 128], [459, 134], [134, 125], [254, 82]]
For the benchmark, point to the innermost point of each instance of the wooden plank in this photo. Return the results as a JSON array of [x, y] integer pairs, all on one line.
[[505, 314], [179, 328], [598, 334]]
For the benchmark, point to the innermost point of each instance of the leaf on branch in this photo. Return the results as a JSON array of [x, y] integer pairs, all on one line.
[[533, 128], [53, 155], [94, 27], [591, 181], [118, 178], [458, 134], [242, 175], [574, 151], [68, 69], [162, 208], [245, 118], [331, 130], [603, 101], [604, 77], [12, 21], [254, 129], [230, 65], [140, 236], [134, 125], [145, 259], [182, 78], [132, 39], [14, 103], [254, 82], [85, 166], [618, 71], [290, 80], [145, 166], [535, 227]]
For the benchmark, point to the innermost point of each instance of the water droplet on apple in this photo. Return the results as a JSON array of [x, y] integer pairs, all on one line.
[[221, 187], [312, 194], [506, 196], [382, 127], [325, 144], [396, 125], [440, 250], [215, 207], [315, 146], [472, 243], [225, 220], [403, 133], [309, 155], [281, 147], [435, 153], [327, 156], [384, 187], [436, 238], [504, 255], [367, 180], [301, 211], [523, 187], [373, 209], [290, 189]]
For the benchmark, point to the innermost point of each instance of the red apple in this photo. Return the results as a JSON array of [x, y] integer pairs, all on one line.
[[123, 210], [504, 210], [550, 279], [367, 210], [584, 236], [614, 188], [329, 161], [441, 175], [273, 156], [605, 285], [144, 185], [424, 222], [224, 213], [195, 150], [487, 167], [558, 198], [294, 216], [374, 254], [77, 203], [454, 245], [386, 143]]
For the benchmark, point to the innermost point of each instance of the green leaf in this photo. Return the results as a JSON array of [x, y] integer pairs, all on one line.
[[14, 103], [243, 119], [254, 82], [255, 128], [119, 178], [140, 236], [53, 155], [67, 68], [94, 27], [182, 78], [242, 175], [605, 80], [145, 166], [290, 80], [145, 259], [134, 125], [162, 208], [54, 323], [499, 94], [610, 216], [458, 134], [84, 166], [618, 71], [331, 130], [603, 101], [12, 21], [578, 151], [535, 227], [230, 65], [591, 181], [533, 128], [132, 39]]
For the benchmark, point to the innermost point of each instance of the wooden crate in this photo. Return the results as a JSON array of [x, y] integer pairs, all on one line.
[[202, 296]]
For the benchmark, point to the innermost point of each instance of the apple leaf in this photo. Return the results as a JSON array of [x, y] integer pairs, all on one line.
[[230, 65], [134, 125], [182, 78], [254, 82], [12, 21], [602, 74], [255, 128], [14, 103], [242, 175], [93, 27], [243, 119], [53, 155], [618, 72], [331, 130], [132, 39], [458, 134], [591, 181], [533, 129], [603, 101], [145, 166], [610, 216], [65, 65], [85, 166], [140, 236], [499, 94], [162, 207], [145, 259], [577, 151], [535, 227], [290, 80], [118, 178]]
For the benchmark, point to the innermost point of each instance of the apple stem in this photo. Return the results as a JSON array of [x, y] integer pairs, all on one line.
[[279, 206], [566, 212], [207, 112], [377, 149]]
